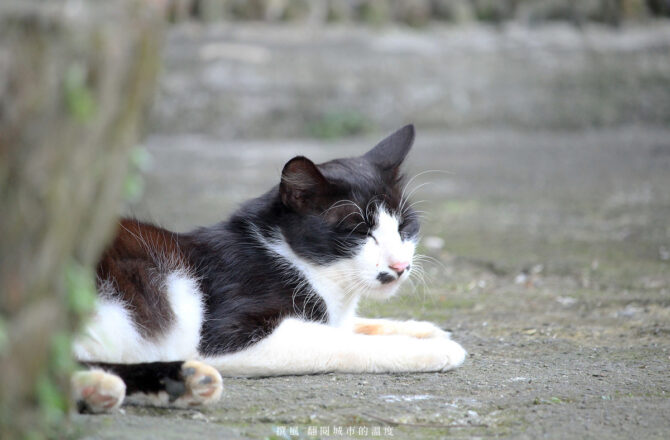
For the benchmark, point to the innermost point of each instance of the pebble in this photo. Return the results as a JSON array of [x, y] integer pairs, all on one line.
[[433, 242]]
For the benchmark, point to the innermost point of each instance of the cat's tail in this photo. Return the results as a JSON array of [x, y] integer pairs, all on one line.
[[103, 387]]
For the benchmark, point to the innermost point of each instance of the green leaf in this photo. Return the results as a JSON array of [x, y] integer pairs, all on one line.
[[4, 336], [61, 354], [51, 400], [78, 97], [80, 288]]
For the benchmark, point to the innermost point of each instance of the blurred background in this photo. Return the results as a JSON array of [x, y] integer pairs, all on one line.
[[542, 166]]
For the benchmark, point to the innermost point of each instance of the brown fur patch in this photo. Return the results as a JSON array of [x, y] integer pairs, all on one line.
[[371, 329], [136, 263]]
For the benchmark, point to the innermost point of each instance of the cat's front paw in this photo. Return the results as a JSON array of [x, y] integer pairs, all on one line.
[[455, 355], [415, 329], [422, 330], [204, 385], [96, 391], [443, 354]]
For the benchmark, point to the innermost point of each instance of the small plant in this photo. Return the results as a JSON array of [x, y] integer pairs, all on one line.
[[339, 124]]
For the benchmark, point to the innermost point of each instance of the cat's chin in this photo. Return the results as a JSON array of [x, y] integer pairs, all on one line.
[[385, 291]]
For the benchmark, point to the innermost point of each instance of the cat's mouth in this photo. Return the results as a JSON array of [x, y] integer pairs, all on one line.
[[386, 278], [386, 285], [389, 277]]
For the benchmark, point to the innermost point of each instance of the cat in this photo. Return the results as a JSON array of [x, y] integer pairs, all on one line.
[[271, 291]]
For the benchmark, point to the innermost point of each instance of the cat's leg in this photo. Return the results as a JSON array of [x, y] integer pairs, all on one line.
[[170, 384], [300, 347], [416, 329], [96, 391]]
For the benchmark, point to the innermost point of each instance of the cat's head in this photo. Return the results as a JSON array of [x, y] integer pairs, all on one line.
[[350, 218]]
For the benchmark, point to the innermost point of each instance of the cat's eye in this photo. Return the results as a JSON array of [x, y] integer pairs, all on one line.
[[402, 230], [360, 231]]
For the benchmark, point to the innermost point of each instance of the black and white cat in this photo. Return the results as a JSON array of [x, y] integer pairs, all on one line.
[[271, 291]]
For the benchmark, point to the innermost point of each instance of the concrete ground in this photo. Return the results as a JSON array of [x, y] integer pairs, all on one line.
[[548, 258]]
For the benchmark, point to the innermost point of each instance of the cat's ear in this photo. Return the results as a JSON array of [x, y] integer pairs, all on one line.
[[303, 188], [388, 154]]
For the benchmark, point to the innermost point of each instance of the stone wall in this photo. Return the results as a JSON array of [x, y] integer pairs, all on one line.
[[420, 12], [250, 81]]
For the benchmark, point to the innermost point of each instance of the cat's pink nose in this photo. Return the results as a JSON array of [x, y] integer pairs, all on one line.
[[399, 267]]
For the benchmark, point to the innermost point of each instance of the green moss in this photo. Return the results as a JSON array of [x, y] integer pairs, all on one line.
[[374, 12], [133, 184], [78, 98], [554, 400], [337, 124]]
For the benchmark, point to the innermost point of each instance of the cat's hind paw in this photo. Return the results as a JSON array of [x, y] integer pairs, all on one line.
[[96, 391], [204, 385]]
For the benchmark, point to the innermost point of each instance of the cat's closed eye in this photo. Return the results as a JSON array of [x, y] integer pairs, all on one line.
[[406, 229], [358, 231], [363, 232]]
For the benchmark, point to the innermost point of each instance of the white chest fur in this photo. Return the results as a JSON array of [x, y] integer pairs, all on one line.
[[327, 281]]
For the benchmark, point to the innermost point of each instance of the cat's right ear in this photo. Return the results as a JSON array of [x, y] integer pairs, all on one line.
[[389, 154], [303, 188]]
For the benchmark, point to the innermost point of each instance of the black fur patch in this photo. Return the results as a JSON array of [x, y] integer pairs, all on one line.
[[385, 278], [148, 378]]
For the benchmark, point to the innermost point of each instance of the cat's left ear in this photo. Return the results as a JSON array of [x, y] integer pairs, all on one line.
[[389, 154], [303, 188]]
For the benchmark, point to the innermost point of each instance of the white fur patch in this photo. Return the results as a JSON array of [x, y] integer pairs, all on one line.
[[111, 334], [379, 253], [330, 282]]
